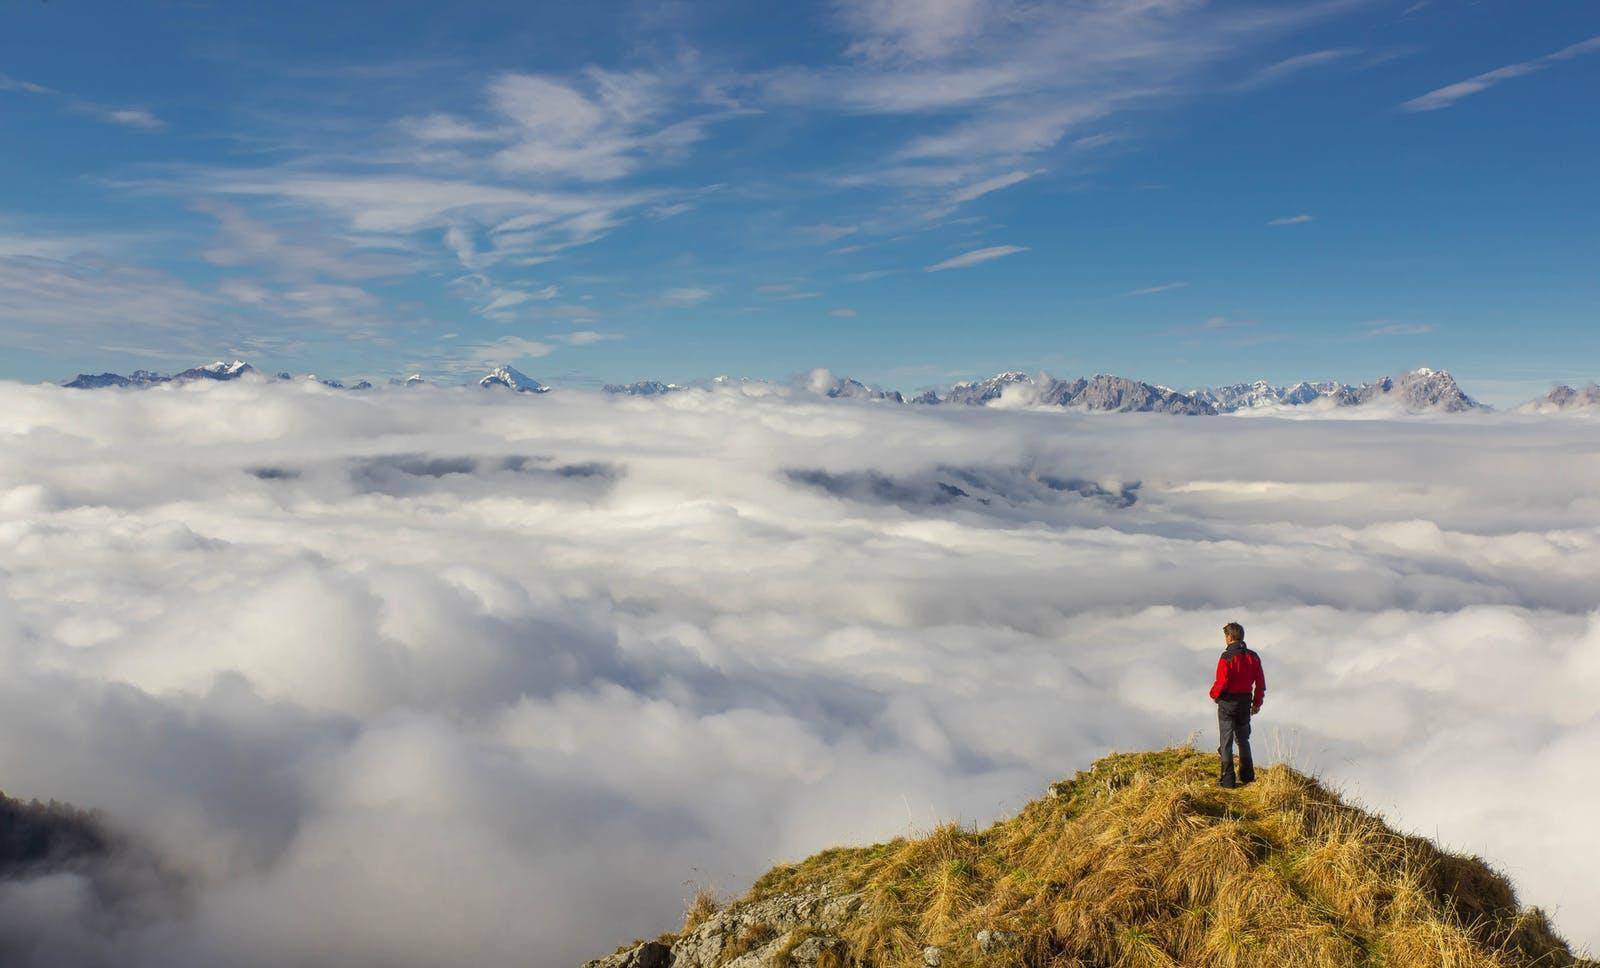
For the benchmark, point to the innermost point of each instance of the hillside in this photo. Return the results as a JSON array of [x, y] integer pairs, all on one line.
[[1139, 861]]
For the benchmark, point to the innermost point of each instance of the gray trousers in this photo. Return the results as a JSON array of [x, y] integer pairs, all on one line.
[[1233, 722]]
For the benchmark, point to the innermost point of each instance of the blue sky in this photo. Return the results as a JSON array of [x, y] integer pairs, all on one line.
[[910, 193]]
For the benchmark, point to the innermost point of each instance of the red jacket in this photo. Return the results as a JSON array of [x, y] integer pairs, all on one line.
[[1239, 670]]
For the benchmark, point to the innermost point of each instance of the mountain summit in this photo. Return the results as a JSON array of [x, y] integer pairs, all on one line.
[[509, 376], [1141, 860]]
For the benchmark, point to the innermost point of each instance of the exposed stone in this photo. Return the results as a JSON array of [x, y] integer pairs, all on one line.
[[991, 941], [819, 915], [651, 954], [933, 956], [808, 953]]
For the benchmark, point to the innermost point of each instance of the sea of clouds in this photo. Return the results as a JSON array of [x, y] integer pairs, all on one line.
[[450, 676]]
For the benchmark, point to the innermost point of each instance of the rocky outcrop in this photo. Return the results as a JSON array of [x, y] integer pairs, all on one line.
[[782, 931], [648, 954]]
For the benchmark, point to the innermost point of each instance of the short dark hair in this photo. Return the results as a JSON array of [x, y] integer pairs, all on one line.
[[1234, 630]]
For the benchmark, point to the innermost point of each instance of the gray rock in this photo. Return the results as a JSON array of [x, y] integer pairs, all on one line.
[[809, 951], [820, 916], [991, 941], [651, 954], [933, 956]]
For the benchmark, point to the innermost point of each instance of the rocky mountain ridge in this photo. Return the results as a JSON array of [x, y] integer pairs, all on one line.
[[1423, 390], [219, 370]]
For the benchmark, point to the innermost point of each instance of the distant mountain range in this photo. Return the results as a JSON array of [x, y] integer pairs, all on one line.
[[1422, 390], [147, 378], [1419, 391]]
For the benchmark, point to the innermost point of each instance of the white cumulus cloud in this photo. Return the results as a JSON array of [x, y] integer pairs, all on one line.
[[438, 676]]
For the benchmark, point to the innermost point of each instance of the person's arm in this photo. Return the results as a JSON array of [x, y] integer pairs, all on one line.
[[1220, 680], [1260, 686]]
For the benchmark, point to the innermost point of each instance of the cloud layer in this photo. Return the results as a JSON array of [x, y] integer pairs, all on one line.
[[452, 676]]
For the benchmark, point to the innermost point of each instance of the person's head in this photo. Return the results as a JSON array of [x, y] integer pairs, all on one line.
[[1233, 632]]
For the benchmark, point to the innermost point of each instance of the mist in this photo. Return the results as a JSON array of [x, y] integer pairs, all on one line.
[[444, 675]]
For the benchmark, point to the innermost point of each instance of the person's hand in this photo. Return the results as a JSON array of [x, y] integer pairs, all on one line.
[[1255, 708]]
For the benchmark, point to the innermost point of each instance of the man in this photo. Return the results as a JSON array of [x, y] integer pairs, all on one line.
[[1237, 690]]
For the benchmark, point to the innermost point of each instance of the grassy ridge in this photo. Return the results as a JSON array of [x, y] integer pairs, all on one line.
[[1143, 861]]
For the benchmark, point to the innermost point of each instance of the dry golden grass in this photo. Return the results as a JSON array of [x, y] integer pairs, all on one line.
[[702, 906], [1143, 861]]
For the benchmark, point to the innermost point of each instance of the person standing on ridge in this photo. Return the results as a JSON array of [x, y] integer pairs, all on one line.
[[1237, 690]]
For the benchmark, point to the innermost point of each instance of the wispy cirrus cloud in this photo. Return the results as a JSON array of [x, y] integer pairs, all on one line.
[[1228, 330], [967, 260], [991, 87], [1293, 220], [826, 232], [984, 187], [586, 337], [514, 183], [1299, 64], [1164, 287], [54, 303], [1448, 95], [1385, 328], [684, 296], [787, 291], [140, 119]]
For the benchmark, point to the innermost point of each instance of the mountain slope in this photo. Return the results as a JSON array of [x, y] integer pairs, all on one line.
[[1141, 860]]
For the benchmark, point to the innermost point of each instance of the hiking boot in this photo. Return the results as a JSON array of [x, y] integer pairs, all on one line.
[[1227, 783]]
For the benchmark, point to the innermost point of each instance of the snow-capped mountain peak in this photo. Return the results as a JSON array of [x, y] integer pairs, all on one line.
[[226, 370], [512, 378]]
